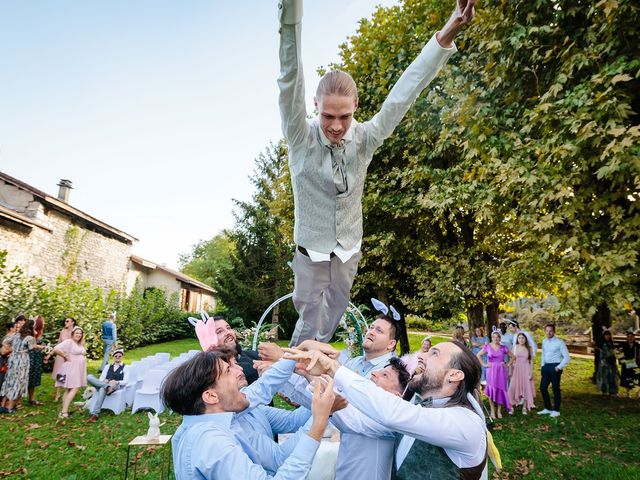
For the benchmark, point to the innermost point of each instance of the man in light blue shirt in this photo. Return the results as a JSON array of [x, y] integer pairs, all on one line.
[[207, 445], [361, 456], [258, 425], [555, 356]]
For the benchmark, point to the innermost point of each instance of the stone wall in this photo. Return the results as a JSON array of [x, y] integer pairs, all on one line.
[[60, 244]]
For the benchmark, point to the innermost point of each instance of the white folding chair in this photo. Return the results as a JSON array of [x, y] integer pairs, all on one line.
[[116, 402], [163, 357], [132, 384], [148, 396]]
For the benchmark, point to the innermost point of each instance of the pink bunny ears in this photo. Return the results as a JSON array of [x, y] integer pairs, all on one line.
[[205, 330]]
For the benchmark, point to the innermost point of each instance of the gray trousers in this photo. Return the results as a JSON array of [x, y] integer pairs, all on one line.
[[101, 392], [321, 295], [108, 345]]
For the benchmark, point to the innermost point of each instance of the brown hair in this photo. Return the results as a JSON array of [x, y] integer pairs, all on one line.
[[469, 364], [398, 332], [27, 329], [526, 343], [182, 390], [337, 82]]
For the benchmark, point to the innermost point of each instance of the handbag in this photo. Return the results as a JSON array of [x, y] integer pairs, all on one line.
[[61, 377]]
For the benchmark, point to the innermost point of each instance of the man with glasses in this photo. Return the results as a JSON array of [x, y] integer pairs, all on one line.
[[113, 378]]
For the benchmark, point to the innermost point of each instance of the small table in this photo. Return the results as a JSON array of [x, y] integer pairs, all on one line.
[[142, 441]]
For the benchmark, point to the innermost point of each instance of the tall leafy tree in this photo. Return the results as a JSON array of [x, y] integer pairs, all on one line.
[[517, 173], [208, 258]]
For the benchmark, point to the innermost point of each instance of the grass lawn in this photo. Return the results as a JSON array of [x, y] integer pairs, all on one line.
[[594, 439]]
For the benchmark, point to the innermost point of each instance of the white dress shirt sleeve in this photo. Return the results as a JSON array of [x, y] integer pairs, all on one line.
[[566, 358], [458, 430], [293, 112]]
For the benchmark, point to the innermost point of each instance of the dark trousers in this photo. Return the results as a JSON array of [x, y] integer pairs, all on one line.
[[550, 376]]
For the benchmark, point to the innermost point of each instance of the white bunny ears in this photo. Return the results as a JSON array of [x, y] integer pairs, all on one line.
[[205, 330], [382, 308]]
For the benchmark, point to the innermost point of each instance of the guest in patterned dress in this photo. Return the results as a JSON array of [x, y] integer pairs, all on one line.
[[496, 389], [73, 373], [5, 351], [36, 357], [16, 382]]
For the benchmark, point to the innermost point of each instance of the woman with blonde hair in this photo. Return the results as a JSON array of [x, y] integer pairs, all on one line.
[[73, 373], [65, 333]]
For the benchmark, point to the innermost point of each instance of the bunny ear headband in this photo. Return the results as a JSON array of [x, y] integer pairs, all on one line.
[[605, 329], [382, 308], [495, 329], [205, 330]]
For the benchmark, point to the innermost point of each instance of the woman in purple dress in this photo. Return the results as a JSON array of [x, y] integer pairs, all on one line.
[[496, 388]]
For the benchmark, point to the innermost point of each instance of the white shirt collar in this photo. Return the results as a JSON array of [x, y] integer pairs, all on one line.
[[348, 137]]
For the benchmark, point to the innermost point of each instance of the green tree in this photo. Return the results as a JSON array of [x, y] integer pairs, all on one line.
[[258, 271], [517, 172], [208, 258]]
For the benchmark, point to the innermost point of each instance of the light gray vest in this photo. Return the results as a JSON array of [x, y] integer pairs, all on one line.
[[324, 218]]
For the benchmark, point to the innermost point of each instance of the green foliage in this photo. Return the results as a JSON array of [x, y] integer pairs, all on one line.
[[208, 258], [516, 172], [415, 322], [143, 317]]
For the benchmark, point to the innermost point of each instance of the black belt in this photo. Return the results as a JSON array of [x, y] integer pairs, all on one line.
[[303, 251]]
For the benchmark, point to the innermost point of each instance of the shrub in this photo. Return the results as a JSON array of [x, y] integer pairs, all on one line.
[[143, 317]]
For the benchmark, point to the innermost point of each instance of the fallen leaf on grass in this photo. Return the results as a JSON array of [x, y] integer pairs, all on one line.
[[33, 426], [524, 467], [74, 444], [8, 473]]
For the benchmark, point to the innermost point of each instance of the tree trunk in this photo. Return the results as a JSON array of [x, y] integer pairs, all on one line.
[[475, 316], [492, 316], [602, 318]]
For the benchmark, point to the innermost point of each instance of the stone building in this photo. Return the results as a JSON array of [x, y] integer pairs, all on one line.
[[47, 237], [193, 295]]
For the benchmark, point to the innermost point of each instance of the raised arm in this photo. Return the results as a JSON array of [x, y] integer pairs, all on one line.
[[262, 390], [417, 76], [293, 113]]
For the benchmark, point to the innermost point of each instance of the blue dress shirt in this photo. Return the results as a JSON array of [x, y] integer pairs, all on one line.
[[234, 446]]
